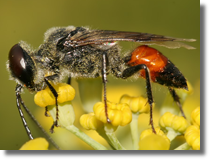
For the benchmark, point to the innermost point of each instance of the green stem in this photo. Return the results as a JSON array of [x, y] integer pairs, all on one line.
[[134, 131], [102, 133], [114, 141], [184, 146], [109, 131], [85, 138], [172, 134]]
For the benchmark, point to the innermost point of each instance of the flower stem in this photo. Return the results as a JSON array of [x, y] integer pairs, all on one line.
[[85, 138], [134, 131], [184, 146], [114, 141], [172, 134]]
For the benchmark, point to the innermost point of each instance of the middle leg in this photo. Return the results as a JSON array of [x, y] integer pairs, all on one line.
[[104, 79]]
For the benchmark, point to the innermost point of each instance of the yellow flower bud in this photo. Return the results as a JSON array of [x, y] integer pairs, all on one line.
[[151, 141], [45, 97], [195, 116], [177, 123], [90, 122], [159, 132], [65, 92], [119, 114], [137, 104], [192, 136], [36, 144], [154, 142]]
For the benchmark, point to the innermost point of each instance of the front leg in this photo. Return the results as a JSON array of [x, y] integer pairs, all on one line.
[[54, 92], [131, 71]]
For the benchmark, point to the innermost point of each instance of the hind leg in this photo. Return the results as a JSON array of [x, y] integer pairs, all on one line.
[[176, 99], [131, 71]]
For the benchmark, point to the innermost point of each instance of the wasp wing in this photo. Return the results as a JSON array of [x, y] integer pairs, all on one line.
[[102, 36]]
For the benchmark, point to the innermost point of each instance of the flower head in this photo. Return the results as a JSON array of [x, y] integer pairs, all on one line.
[[119, 114], [66, 93], [36, 144], [192, 136], [151, 141], [137, 104], [90, 122], [45, 97], [177, 123], [149, 132], [195, 116], [65, 115]]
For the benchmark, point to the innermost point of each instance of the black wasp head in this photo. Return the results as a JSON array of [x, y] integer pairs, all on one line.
[[22, 66]]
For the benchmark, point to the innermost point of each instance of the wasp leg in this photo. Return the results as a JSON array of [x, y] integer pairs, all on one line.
[[132, 70], [19, 103], [52, 77], [45, 113], [104, 79], [176, 99], [69, 81], [38, 124], [56, 103]]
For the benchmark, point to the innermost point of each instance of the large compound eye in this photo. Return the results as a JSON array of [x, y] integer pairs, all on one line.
[[21, 65]]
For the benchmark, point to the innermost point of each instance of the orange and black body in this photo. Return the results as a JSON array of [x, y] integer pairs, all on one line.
[[154, 66], [79, 52], [161, 69]]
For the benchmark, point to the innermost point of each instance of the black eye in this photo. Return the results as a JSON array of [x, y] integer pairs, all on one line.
[[21, 65]]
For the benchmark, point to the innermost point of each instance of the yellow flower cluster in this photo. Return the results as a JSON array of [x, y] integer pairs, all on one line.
[[137, 104], [45, 97], [119, 113], [66, 93], [66, 112], [195, 116], [192, 134], [151, 141], [149, 132], [177, 123], [192, 137], [90, 122], [36, 144]]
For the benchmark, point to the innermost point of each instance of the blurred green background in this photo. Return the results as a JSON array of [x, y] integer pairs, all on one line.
[[28, 20]]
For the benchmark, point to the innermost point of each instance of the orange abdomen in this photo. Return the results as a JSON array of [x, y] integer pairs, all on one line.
[[151, 57], [161, 69]]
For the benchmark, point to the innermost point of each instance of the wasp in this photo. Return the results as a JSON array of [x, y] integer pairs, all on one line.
[[79, 52]]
